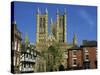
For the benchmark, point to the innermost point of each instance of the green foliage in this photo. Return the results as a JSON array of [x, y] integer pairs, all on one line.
[[56, 53]]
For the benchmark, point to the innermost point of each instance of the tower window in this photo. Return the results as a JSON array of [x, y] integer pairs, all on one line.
[[40, 27], [44, 24], [40, 22]]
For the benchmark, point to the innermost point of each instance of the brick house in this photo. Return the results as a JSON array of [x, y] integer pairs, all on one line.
[[89, 54], [75, 60]]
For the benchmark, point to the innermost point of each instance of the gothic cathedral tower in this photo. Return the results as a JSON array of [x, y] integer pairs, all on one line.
[[42, 26], [61, 27]]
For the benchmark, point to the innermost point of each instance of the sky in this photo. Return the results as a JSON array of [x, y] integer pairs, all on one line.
[[81, 20]]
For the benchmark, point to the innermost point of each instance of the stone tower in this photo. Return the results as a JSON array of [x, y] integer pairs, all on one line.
[[42, 26], [61, 27]]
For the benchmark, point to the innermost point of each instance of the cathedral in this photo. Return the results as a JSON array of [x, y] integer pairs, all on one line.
[[45, 39], [57, 29]]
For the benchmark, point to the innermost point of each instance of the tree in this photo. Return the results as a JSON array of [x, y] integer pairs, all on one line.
[[52, 55], [57, 55]]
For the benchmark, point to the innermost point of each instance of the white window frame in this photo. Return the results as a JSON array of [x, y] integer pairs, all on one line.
[[18, 46], [86, 50], [73, 55], [73, 65]]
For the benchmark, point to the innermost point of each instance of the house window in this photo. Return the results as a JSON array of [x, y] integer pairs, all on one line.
[[24, 65], [74, 62], [86, 57], [17, 61], [86, 54], [96, 53], [34, 53], [18, 46], [31, 66], [74, 53], [27, 65], [20, 67], [14, 59], [26, 55], [15, 46], [30, 56], [85, 50]]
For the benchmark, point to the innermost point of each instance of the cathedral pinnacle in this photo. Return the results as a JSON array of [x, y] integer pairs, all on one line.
[[65, 11], [26, 39], [57, 11], [38, 11], [46, 10], [51, 23], [74, 40]]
